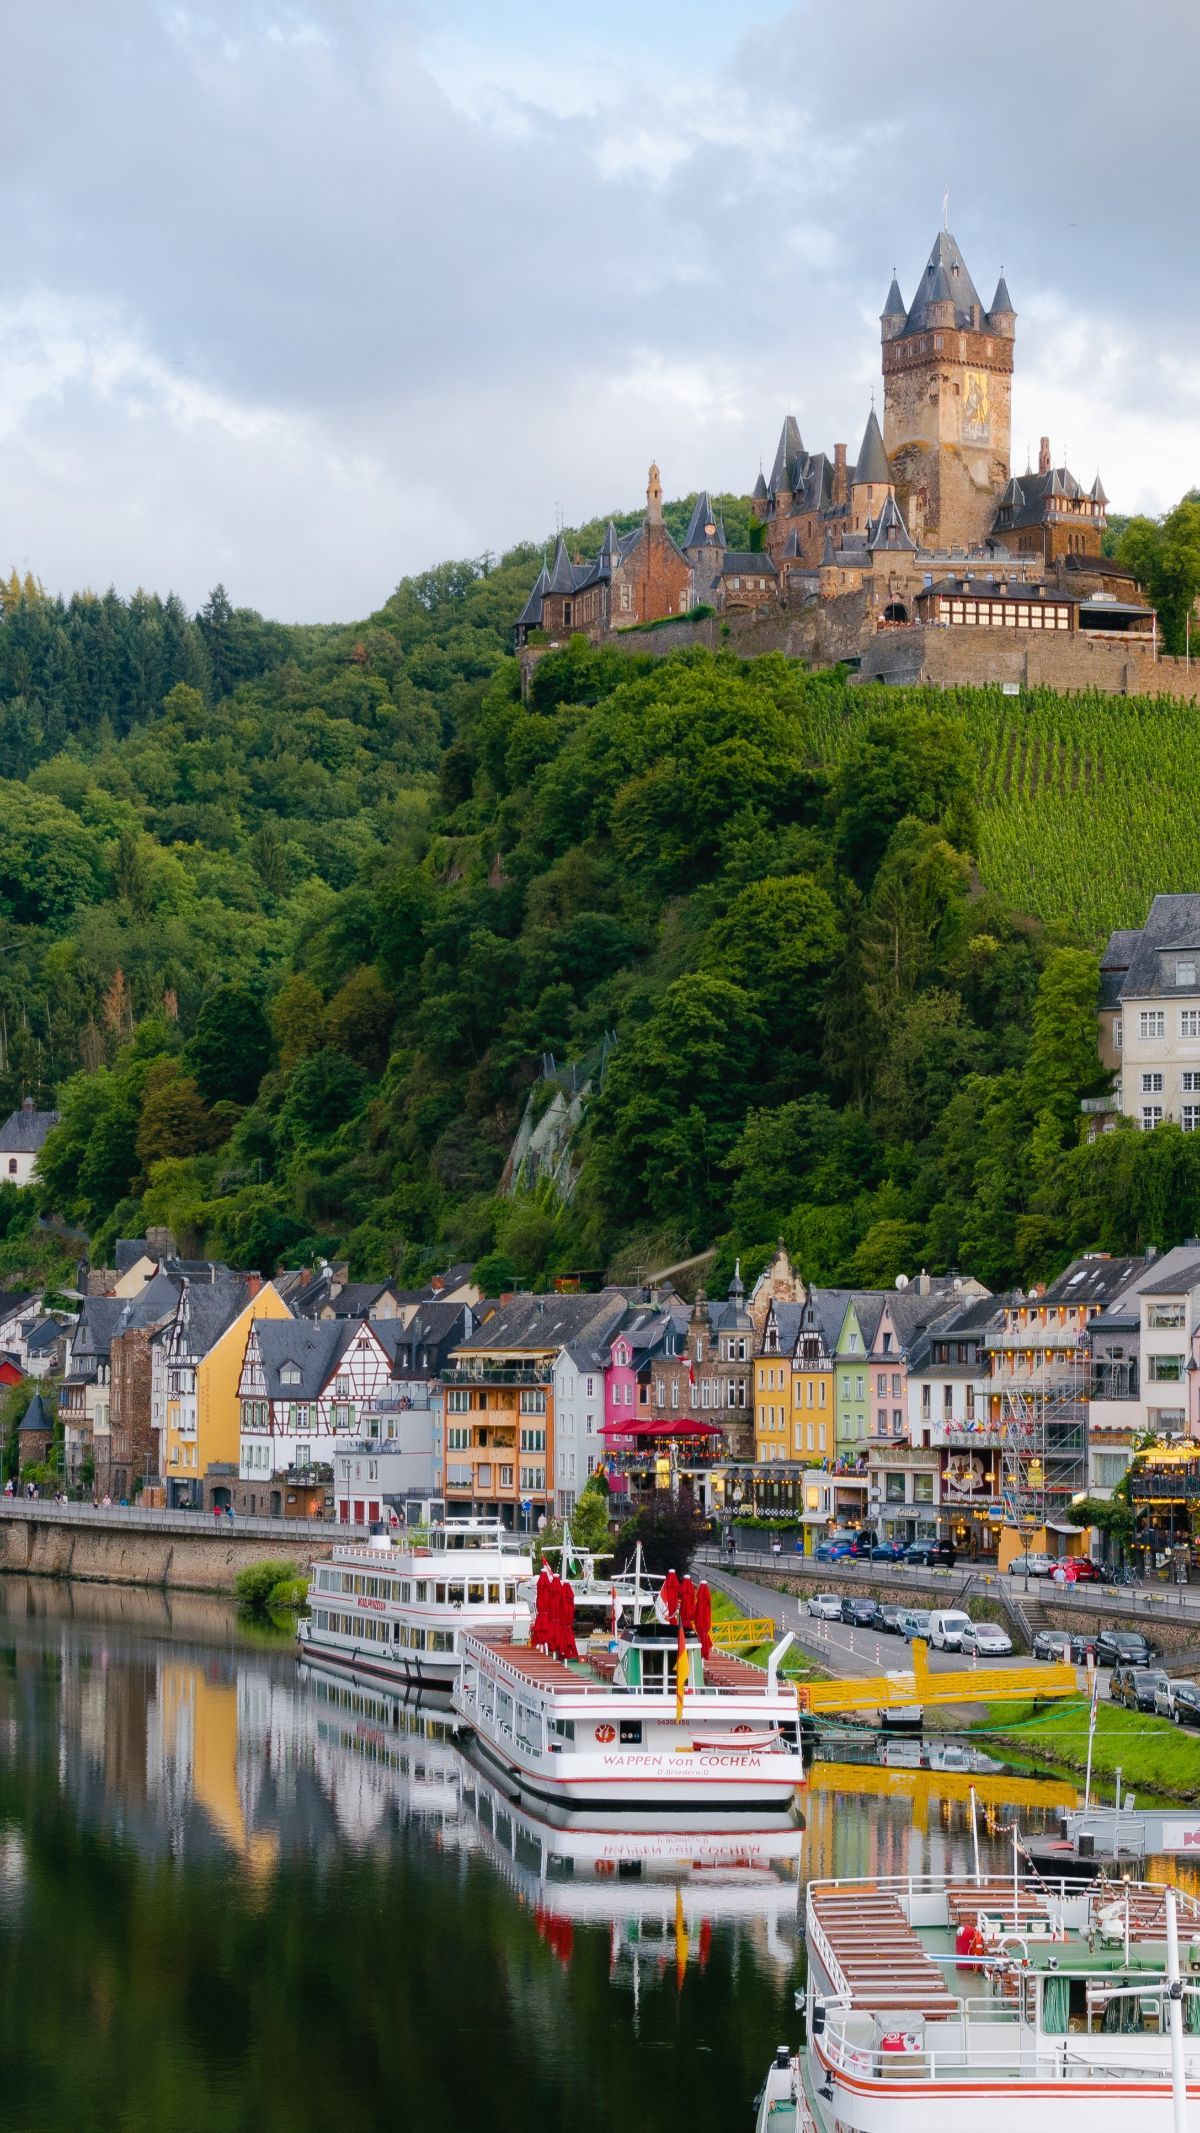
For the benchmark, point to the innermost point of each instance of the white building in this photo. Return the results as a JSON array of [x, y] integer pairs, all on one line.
[[22, 1137], [304, 1387], [579, 1378], [1150, 1017]]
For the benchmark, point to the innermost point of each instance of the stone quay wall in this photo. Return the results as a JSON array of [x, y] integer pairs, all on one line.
[[180, 1553]]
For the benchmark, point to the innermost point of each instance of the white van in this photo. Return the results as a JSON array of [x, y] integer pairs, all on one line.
[[946, 1626]]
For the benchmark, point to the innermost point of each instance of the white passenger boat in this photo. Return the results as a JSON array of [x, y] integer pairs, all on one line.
[[399, 1610], [933, 2004], [620, 1728]]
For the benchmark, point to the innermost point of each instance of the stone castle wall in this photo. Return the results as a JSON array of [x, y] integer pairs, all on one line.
[[203, 1561], [972, 658]]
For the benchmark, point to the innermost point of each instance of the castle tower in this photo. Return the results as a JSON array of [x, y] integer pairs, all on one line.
[[654, 497], [872, 484], [947, 384]]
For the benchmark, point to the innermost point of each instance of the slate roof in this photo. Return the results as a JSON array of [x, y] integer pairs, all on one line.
[[207, 1309], [872, 464], [894, 305], [591, 1350], [35, 1418], [94, 1328], [127, 1252], [1025, 500], [151, 1305], [314, 1346], [747, 562], [704, 515], [1094, 1279], [789, 449], [12, 1301], [355, 1298], [24, 1131], [945, 280], [759, 490], [528, 1323], [562, 573], [43, 1334], [888, 529], [1188, 1277], [530, 617], [1173, 925], [989, 588], [1001, 301], [421, 1348]]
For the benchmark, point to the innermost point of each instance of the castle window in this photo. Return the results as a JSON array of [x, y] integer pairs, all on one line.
[[566, 613]]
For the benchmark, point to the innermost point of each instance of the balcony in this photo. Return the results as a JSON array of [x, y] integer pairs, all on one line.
[[892, 1451], [1180, 1486], [485, 1373]]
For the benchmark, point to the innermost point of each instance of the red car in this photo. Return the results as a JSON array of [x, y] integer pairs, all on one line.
[[1086, 1571]]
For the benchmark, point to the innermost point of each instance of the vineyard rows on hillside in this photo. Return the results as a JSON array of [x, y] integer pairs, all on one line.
[[1089, 805]]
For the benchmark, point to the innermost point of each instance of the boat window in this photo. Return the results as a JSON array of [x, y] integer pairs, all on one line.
[[563, 1727], [422, 1589], [631, 1732], [494, 1595], [406, 1589], [439, 1593], [395, 1633], [475, 1595]]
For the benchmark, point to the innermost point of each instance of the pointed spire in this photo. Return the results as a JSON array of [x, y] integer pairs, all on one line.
[[530, 617], [1002, 303], [704, 528], [562, 576], [1097, 492], [894, 305], [827, 555], [759, 491], [610, 545], [945, 280], [789, 449], [736, 1288], [872, 462], [654, 496]]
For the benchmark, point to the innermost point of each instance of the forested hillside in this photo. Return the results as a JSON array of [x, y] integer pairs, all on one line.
[[291, 914]]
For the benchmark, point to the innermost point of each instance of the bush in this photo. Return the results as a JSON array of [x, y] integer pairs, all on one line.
[[265, 1588]]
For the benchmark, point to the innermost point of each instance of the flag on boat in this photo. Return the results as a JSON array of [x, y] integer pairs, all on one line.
[[681, 1668]]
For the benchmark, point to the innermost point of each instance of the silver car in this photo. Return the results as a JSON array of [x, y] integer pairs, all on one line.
[[987, 1640], [1038, 1565], [826, 1604]]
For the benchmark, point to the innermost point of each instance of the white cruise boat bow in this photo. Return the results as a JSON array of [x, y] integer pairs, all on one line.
[[935, 2005], [399, 1611]]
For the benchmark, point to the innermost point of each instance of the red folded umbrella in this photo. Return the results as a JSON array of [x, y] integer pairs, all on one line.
[[670, 1594], [687, 1604], [704, 1617]]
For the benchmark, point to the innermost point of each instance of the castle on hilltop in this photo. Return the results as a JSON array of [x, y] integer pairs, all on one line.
[[930, 505]]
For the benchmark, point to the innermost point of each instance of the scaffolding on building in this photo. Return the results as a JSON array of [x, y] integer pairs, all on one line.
[[1043, 1422]]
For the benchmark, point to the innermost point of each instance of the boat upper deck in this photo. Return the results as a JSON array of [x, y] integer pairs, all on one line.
[[723, 1674], [880, 1957]]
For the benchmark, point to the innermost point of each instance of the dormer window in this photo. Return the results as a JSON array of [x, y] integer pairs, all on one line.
[[1185, 972], [290, 1374]]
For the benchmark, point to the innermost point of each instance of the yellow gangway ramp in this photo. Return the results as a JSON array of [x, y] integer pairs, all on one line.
[[982, 1684], [744, 1632]]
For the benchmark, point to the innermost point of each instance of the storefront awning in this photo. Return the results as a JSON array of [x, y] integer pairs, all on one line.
[[671, 1429]]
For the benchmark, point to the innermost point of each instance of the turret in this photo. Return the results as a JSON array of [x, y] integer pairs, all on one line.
[[894, 312], [1001, 317], [872, 484]]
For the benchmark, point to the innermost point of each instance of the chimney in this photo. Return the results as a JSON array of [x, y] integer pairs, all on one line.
[[841, 486], [27, 1103], [254, 1283], [1044, 456]]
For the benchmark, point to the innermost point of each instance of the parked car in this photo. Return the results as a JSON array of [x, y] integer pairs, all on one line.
[[828, 1605], [946, 1626], [891, 1618], [1179, 1701], [929, 1555], [860, 1612], [1083, 1646], [888, 1552], [1052, 1644], [1086, 1571], [1123, 1647], [914, 1622], [986, 1640], [1136, 1686], [839, 1547], [1037, 1564]]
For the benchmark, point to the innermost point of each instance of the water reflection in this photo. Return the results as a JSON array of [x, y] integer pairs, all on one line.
[[241, 1892]]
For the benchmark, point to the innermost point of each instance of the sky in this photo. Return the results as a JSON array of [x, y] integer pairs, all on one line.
[[305, 297]]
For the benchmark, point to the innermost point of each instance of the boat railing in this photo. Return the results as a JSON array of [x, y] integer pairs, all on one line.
[[992, 2044], [696, 1698], [922, 1894]]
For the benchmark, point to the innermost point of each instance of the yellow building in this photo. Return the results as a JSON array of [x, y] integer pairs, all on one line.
[[793, 1382], [218, 1417]]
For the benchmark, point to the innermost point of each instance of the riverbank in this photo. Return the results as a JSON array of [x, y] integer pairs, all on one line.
[[1153, 1756], [114, 1546]]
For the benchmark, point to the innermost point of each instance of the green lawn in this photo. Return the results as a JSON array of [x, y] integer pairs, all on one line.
[[1153, 1755]]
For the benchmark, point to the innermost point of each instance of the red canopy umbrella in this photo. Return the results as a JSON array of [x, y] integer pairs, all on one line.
[[704, 1617], [675, 1429]]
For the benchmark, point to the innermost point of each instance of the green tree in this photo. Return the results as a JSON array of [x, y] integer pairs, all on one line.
[[230, 1048], [1063, 1063], [173, 1120]]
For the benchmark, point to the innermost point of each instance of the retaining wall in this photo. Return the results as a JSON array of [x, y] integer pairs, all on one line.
[[200, 1561]]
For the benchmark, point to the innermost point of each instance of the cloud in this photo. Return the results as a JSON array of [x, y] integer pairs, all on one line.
[[308, 296]]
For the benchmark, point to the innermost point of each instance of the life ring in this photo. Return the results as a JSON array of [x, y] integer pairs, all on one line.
[[741, 1729], [605, 1734]]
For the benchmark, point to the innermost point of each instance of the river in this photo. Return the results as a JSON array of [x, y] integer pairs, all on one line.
[[235, 1894]]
